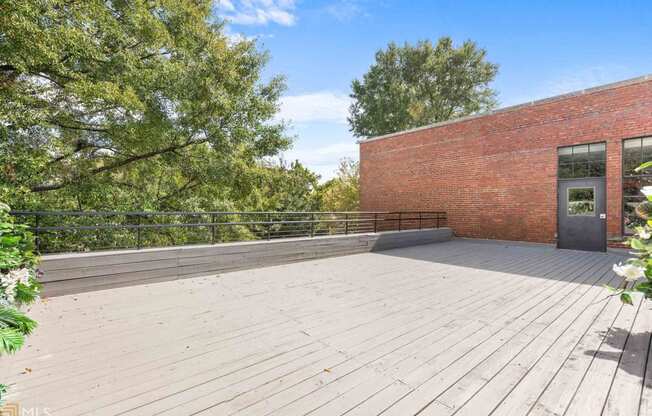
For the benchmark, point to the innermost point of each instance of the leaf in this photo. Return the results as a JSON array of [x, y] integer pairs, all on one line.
[[9, 241], [11, 341], [644, 166], [26, 294], [626, 298], [13, 319], [611, 288], [637, 244]]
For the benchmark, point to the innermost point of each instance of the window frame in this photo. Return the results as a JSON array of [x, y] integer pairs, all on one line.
[[624, 177], [568, 191], [589, 160]]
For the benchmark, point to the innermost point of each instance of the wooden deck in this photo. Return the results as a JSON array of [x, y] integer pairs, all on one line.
[[456, 328]]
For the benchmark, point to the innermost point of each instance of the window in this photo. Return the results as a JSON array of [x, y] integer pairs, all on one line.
[[581, 161], [581, 201], [635, 152]]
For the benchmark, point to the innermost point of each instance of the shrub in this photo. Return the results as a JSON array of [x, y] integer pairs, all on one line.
[[637, 271], [18, 284]]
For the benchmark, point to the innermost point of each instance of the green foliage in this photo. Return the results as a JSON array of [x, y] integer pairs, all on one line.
[[342, 193], [16, 320], [411, 86], [644, 166], [18, 284], [285, 187], [626, 298], [130, 106], [16, 243], [11, 340], [637, 271]]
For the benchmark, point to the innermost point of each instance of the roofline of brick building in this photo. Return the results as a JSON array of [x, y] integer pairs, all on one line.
[[515, 107]]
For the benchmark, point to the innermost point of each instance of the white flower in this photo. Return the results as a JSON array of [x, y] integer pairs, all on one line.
[[21, 275], [8, 282], [630, 272], [646, 190], [643, 233]]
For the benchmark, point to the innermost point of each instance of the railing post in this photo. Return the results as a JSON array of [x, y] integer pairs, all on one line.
[[399, 221], [138, 237], [375, 222], [346, 223], [212, 228], [312, 224], [269, 226], [37, 237], [419, 219]]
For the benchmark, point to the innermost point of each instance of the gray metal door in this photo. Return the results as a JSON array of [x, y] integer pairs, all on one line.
[[582, 218]]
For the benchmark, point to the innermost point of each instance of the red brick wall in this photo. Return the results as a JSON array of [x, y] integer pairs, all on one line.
[[496, 175]]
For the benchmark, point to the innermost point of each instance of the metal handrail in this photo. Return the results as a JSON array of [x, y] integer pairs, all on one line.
[[276, 224], [146, 213]]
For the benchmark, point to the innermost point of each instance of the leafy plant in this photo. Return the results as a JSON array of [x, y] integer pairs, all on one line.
[[18, 284], [637, 271]]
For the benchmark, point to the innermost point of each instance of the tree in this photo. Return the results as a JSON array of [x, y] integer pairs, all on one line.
[[286, 187], [412, 86], [129, 105], [342, 193]]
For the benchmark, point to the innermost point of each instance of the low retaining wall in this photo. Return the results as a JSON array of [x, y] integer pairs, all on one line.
[[80, 272]]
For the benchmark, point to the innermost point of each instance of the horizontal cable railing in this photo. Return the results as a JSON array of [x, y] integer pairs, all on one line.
[[69, 231]]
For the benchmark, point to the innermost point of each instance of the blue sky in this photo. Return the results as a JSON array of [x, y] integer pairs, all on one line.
[[543, 48]]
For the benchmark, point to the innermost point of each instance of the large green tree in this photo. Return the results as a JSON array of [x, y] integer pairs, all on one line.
[[414, 85], [342, 193], [130, 104]]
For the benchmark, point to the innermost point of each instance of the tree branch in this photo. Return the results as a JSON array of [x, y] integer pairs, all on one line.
[[187, 186], [83, 128], [118, 164], [79, 146]]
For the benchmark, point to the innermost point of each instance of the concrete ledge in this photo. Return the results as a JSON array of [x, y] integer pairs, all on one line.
[[397, 239], [81, 272]]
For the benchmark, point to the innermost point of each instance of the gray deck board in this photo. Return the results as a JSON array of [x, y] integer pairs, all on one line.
[[455, 328]]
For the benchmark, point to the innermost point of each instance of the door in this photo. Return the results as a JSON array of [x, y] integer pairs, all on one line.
[[582, 216]]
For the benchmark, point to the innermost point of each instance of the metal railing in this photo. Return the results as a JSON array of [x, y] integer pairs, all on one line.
[[66, 231]]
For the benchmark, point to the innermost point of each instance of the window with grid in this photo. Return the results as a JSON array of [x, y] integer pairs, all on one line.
[[581, 161], [635, 152]]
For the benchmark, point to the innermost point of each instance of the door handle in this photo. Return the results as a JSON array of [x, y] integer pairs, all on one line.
[[603, 216]]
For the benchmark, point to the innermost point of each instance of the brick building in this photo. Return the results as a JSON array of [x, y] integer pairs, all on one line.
[[555, 170]]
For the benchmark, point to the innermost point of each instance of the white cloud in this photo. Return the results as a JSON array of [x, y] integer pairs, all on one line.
[[586, 78], [574, 79], [257, 12], [344, 10], [237, 37], [318, 106], [326, 154], [225, 5], [324, 160]]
